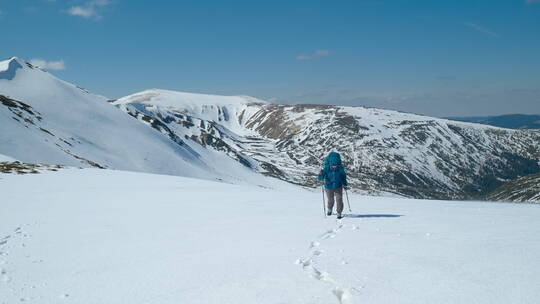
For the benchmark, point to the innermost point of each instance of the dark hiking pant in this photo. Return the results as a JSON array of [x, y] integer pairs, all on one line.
[[338, 195]]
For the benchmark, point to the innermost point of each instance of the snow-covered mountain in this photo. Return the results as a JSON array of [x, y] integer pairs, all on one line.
[[390, 151], [242, 139], [46, 120]]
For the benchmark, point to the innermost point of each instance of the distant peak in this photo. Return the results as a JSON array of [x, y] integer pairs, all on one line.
[[8, 68], [21, 62], [170, 98]]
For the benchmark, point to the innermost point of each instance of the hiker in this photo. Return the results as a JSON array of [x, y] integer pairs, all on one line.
[[335, 180]]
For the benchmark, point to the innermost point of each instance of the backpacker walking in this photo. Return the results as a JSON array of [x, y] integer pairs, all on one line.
[[335, 179]]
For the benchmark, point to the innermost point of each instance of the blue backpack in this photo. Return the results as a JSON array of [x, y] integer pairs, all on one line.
[[334, 177], [333, 159]]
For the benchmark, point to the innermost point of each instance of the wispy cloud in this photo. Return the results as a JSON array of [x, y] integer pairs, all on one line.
[[532, 1], [481, 29], [90, 10], [48, 65], [317, 54], [85, 12]]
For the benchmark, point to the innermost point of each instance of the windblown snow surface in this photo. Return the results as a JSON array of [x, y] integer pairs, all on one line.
[[103, 236]]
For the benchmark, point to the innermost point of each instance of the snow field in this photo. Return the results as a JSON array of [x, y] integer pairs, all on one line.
[[142, 238]]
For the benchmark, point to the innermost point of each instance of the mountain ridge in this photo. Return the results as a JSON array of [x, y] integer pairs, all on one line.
[[273, 135], [242, 139], [47, 120], [510, 121], [522, 189]]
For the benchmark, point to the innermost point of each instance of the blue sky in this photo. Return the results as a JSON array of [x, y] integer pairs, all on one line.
[[438, 58]]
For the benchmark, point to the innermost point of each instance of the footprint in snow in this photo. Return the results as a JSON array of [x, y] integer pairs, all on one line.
[[316, 253], [320, 275], [328, 234], [341, 294], [303, 263]]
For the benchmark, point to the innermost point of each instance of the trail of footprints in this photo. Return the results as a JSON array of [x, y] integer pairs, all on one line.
[[13, 245], [9, 243], [4, 252], [342, 294]]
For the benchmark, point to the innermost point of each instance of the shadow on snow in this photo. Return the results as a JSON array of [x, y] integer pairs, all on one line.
[[371, 215]]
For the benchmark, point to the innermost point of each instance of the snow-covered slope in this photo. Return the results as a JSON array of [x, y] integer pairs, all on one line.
[[101, 236], [206, 123], [226, 111], [46, 120], [4, 158], [403, 153], [523, 189]]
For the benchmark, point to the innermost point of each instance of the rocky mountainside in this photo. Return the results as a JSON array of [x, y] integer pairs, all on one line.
[[523, 189], [385, 151]]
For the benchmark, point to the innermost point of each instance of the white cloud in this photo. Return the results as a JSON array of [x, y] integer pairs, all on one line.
[[85, 12], [48, 65], [481, 29], [89, 10], [317, 54]]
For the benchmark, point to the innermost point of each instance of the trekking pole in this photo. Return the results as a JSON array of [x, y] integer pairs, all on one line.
[[323, 204], [348, 203]]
